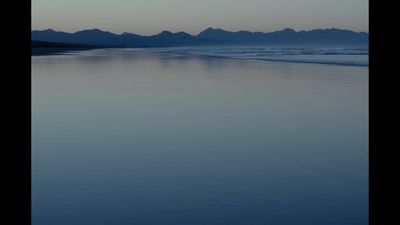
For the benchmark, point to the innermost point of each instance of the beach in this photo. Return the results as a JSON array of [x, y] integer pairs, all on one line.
[[142, 136]]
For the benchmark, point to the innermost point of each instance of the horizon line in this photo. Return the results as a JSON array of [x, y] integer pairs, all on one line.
[[210, 27]]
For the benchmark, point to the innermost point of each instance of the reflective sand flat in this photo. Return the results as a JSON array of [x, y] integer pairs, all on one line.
[[138, 137]]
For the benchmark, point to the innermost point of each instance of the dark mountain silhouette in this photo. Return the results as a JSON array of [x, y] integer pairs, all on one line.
[[289, 36], [210, 36], [98, 37]]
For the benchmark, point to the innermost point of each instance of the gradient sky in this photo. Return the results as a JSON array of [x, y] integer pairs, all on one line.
[[152, 16]]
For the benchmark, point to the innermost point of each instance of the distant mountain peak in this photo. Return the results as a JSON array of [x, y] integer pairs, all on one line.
[[209, 29], [93, 31], [130, 34], [212, 31], [287, 36], [288, 30], [49, 30], [169, 34], [166, 32], [182, 32]]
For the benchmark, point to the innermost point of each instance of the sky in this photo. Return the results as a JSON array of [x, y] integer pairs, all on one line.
[[148, 17]]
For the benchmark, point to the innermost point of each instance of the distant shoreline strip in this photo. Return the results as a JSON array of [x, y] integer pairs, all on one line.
[[56, 51]]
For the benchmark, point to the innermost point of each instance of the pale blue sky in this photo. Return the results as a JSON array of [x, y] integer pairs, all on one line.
[[152, 16]]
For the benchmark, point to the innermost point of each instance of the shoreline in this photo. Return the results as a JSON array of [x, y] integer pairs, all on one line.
[[48, 51], [52, 48], [56, 51]]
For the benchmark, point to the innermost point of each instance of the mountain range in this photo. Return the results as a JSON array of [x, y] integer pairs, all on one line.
[[210, 36]]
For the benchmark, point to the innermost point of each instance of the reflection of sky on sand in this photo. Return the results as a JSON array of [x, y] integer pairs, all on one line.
[[143, 137]]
